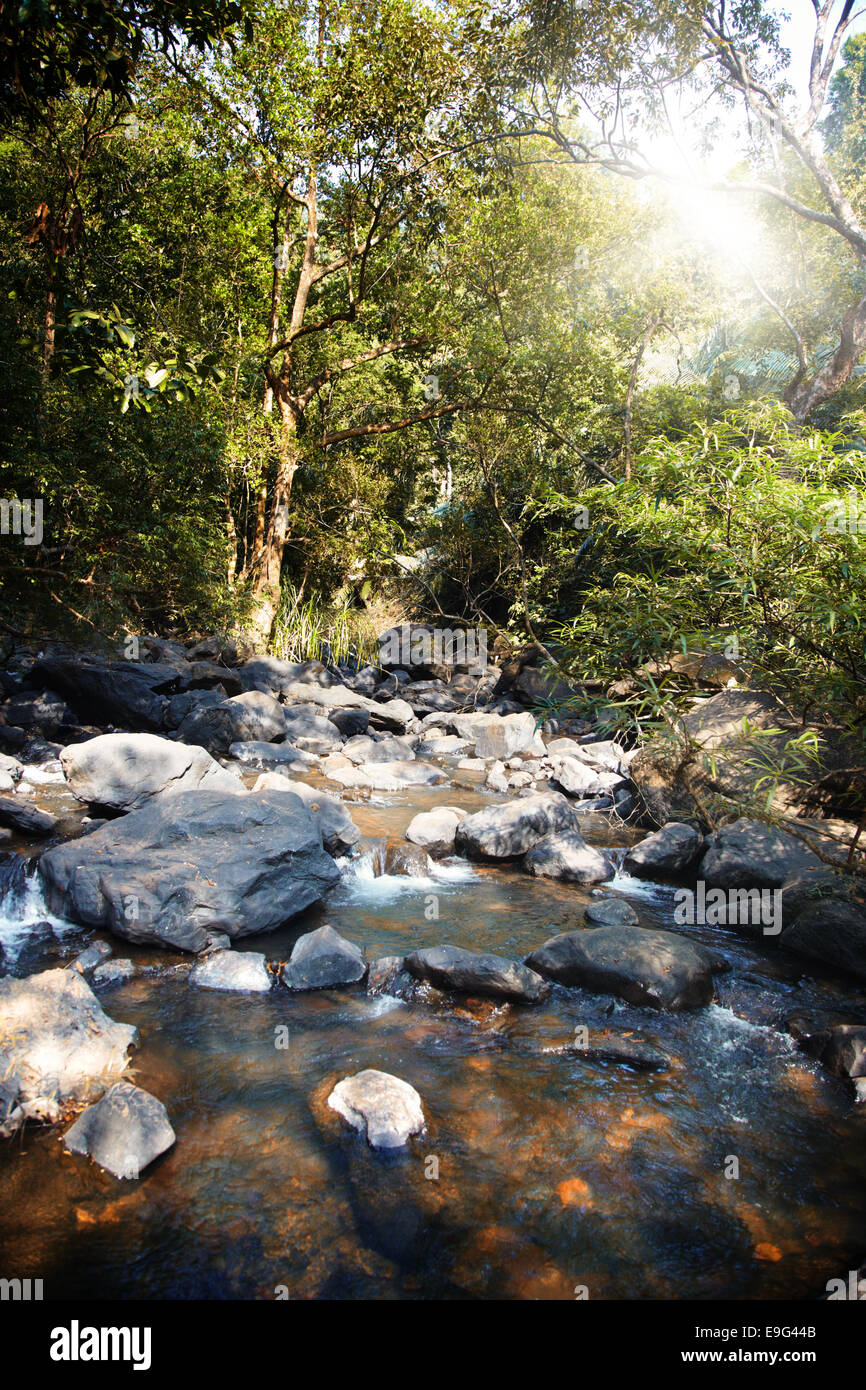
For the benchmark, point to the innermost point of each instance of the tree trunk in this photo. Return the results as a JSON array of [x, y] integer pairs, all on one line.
[[803, 397], [266, 588]]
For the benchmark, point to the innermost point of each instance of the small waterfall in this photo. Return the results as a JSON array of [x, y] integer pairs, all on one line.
[[388, 869], [22, 907]]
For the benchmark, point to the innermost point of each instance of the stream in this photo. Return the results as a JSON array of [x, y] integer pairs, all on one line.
[[542, 1175]]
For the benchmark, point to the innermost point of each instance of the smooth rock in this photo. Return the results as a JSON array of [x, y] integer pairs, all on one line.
[[235, 970], [123, 1132], [323, 959], [384, 1108], [123, 771], [653, 968], [435, 830], [510, 829], [565, 855], [669, 851], [471, 972]]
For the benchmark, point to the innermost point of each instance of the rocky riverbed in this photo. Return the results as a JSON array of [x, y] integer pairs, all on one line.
[[373, 984]]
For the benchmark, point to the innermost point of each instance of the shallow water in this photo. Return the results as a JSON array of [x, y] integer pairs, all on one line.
[[554, 1173]]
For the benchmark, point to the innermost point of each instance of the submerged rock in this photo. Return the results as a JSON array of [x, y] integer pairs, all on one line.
[[469, 972], [566, 856], [237, 970], [628, 1051], [191, 863], [654, 968], [611, 912], [123, 771], [323, 959], [384, 1108], [123, 1132]]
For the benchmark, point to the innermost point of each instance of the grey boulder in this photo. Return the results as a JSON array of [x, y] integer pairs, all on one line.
[[383, 1107], [252, 717], [566, 856], [123, 771], [339, 831], [653, 968], [192, 863], [471, 972], [244, 971], [435, 830], [513, 827], [750, 854], [669, 851], [323, 959]]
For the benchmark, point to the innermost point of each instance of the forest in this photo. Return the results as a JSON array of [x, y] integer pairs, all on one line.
[[427, 402]]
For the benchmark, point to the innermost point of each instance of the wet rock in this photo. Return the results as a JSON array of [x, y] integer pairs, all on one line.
[[750, 854], [123, 771], [468, 972], [611, 912], [628, 1051], [323, 959], [565, 855], [57, 1043], [253, 717], [831, 931], [94, 955], [435, 830], [387, 777], [191, 863], [652, 968], [123, 1132], [512, 828], [666, 853], [113, 972], [339, 832], [840, 1048], [23, 816], [385, 1109], [235, 970]]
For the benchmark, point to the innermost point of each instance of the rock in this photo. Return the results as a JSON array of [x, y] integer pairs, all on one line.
[[384, 1108], [449, 746], [604, 755], [257, 754], [179, 706], [94, 955], [252, 717], [576, 777], [132, 694], [363, 750], [539, 688], [627, 1051], [350, 722], [750, 854], [387, 777], [310, 731], [46, 711], [57, 1043], [123, 771], [498, 736], [339, 831], [468, 972], [323, 959], [565, 855], [435, 830], [236, 970], [667, 852], [840, 1048], [611, 912], [653, 968], [26, 818], [513, 827], [191, 863], [113, 972], [831, 931], [123, 1132]]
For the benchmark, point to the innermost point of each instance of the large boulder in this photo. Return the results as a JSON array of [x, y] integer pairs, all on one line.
[[57, 1044], [123, 771], [132, 694], [435, 830], [193, 863], [384, 1108], [471, 972], [832, 931], [750, 854], [253, 717], [123, 1132], [653, 968], [666, 853], [363, 750], [575, 777], [387, 777], [513, 827], [499, 736], [566, 856], [323, 959], [339, 832]]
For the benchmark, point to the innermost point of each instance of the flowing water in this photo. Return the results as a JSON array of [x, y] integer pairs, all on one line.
[[541, 1174]]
